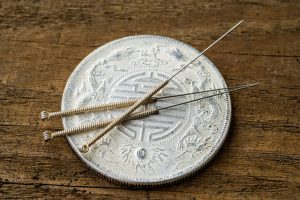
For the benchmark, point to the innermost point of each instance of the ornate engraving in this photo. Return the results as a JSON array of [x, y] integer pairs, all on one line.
[[159, 148], [152, 128], [91, 89], [141, 161], [178, 54], [149, 58], [106, 150], [121, 54]]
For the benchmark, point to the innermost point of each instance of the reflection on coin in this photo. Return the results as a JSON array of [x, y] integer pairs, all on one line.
[[158, 149]]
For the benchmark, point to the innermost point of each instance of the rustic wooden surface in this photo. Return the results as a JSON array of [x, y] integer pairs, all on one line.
[[41, 42]]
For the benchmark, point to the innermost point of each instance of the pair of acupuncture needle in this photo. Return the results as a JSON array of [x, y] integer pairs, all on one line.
[[144, 99], [91, 126]]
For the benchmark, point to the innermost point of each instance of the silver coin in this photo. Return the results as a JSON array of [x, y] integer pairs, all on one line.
[[158, 149]]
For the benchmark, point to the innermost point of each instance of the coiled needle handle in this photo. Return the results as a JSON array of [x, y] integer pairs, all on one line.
[[87, 127], [48, 115], [50, 135]]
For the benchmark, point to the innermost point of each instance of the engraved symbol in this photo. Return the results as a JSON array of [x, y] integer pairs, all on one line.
[[178, 55], [144, 161], [150, 58], [156, 127], [121, 54]]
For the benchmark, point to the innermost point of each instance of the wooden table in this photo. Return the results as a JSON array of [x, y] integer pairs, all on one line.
[[41, 42]]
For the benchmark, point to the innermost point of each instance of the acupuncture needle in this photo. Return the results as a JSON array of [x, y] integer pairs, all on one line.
[[91, 126], [110, 106], [156, 111], [118, 120]]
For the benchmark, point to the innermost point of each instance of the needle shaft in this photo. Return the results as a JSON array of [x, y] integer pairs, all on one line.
[[207, 48], [198, 92], [231, 90]]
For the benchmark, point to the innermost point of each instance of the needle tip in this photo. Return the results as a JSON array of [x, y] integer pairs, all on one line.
[[253, 84], [247, 85], [240, 22]]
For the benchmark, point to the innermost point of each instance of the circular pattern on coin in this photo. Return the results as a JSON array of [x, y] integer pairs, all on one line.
[[157, 149]]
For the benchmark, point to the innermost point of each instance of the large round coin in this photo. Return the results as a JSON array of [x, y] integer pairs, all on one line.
[[158, 149]]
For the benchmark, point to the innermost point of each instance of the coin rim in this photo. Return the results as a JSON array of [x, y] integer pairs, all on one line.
[[215, 149]]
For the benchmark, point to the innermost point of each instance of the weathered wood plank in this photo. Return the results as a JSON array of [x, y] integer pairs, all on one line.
[[40, 191], [41, 42]]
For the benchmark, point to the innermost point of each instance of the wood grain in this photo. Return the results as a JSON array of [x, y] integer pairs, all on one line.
[[41, 42]]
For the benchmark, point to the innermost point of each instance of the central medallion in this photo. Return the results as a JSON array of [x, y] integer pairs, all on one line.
[[156, 149], [155, 128]]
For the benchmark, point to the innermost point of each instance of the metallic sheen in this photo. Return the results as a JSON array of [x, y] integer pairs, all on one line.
[[158, 149]]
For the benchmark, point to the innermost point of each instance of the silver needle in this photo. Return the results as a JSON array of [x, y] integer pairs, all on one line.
[[235, 89]]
